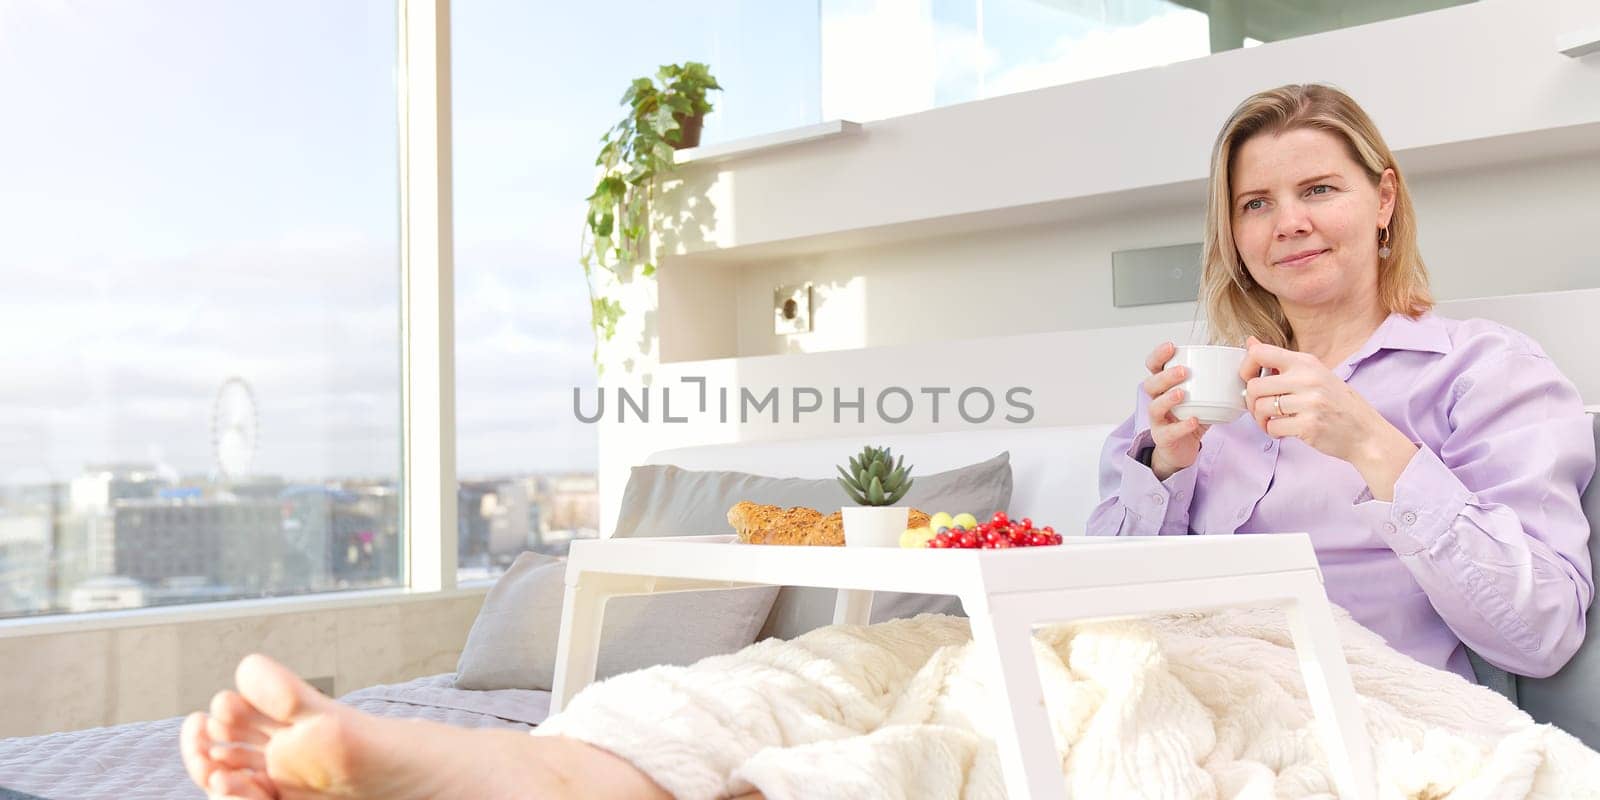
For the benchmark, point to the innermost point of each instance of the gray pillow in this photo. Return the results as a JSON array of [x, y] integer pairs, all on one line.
[[664, 500], [512, 644]]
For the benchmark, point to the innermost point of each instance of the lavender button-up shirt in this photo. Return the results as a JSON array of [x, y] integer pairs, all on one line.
[[1485, 542]]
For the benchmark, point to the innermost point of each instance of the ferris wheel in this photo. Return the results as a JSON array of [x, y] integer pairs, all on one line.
[[233, 428]]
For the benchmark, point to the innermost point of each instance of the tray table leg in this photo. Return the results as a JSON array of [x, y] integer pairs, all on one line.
[[1029, 758], [578, 643], [1006, 620], [853, 607], [1341, 725]]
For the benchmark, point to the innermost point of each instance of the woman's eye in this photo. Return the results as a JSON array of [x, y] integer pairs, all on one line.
[[1321, 188], [1253, 205]]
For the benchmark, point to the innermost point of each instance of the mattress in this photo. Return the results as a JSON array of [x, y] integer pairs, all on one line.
[[140, 760]]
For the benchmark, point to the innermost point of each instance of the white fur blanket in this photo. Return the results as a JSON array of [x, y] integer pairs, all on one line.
[[1195, 705]]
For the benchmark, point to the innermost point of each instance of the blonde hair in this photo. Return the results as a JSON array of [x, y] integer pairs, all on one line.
[[1237, 308]]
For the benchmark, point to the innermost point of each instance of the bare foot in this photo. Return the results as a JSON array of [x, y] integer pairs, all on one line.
[[277, 738]]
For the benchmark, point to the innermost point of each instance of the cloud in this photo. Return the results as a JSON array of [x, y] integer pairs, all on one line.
[[115, 361], [1176, 35], [935, 61], [863, 78]]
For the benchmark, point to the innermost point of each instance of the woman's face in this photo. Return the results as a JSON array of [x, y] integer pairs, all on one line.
[[1306, 220]]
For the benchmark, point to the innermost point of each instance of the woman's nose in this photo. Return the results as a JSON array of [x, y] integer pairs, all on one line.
[[1291, 220]]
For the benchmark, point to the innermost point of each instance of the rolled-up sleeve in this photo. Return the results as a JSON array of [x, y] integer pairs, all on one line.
[[1133, 501], [1491, 525]]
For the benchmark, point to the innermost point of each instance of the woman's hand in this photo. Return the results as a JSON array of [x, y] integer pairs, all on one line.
[[1306, 401], [1177, 441]]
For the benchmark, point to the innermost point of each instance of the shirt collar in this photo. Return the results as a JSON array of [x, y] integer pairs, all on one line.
[[1399, 332]]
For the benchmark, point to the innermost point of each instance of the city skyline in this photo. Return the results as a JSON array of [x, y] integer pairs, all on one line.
[[124, 536]]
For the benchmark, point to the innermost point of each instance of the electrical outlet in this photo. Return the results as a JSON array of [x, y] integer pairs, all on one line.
[[1155, 275], [791, 308]]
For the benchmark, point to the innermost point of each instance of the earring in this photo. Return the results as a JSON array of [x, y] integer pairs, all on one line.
[[1383, 242]]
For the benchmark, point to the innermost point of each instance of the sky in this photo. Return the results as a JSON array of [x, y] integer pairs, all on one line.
[[194, 190]]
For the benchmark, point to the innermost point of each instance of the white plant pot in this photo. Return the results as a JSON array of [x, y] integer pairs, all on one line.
[[874, 526]]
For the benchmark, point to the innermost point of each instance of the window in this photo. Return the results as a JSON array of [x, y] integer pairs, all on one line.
[[953, 51], [200, 256], [534, 88]]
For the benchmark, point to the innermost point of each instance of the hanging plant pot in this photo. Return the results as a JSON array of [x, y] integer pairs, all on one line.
[[688, 130], [617, 236]]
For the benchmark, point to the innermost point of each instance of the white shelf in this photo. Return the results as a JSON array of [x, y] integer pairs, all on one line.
[[1574, 140], [738, 148], [1579, 43]]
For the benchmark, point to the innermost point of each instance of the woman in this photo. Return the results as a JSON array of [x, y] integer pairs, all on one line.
[[1436, 463]]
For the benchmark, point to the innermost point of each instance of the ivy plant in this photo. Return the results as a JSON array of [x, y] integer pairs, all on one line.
[[616, 235]]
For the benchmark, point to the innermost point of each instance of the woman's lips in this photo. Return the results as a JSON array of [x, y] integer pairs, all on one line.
[[1301, 260]]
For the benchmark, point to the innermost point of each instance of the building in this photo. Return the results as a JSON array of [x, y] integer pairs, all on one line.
[[475, 501], [101, 485], [341, 536], [106, 594], [516, 515], [25, 547], [574, 502], [237, 544]]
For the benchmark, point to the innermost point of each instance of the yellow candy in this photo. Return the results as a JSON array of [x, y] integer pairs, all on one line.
[[965, 520], [940, 520]]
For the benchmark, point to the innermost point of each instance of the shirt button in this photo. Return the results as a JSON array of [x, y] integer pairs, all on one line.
[[1388, 527], [1180, 495], [1409, 518], [1267, 448], [1157, 498]]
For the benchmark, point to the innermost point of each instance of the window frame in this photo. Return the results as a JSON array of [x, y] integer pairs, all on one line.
[[428, 430]]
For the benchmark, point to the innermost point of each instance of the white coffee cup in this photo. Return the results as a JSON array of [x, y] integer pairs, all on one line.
[[1213, 392]]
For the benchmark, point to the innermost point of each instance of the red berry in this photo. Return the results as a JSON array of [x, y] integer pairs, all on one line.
[[1027, 522], [969, 540], [1000, 518], [1048, 529], [1037, 539], [1003, 544]]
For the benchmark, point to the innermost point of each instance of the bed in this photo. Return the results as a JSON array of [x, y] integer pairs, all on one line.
[[139, 761]]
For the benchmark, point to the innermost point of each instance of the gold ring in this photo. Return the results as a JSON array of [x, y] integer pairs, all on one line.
[[1278, 404]]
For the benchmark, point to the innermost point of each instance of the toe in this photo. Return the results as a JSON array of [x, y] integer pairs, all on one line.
[[238, 785], [242, 721], [238, 756], [195, 745], [275, 691]]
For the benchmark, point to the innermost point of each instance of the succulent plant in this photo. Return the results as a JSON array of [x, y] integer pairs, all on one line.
[[875, 478]]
